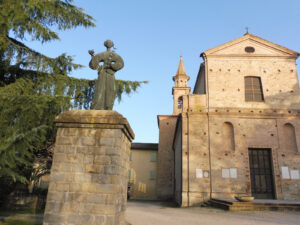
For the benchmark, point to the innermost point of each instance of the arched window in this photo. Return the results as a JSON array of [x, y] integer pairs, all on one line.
[[253, 89], [228, 136], [180, 102], [290, 141]]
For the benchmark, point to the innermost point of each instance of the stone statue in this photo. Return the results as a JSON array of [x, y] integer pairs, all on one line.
[[107, 63]]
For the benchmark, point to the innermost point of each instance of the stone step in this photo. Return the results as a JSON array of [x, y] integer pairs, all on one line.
[[220, 205], [252, 206]]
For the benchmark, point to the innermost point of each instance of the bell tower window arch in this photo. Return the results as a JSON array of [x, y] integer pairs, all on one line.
[[291, 138], [180, 103]]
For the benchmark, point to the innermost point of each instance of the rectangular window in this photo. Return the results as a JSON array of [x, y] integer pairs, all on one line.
[[129, 174], [130, 156], [152, 175], [153, 157], [253, 89]]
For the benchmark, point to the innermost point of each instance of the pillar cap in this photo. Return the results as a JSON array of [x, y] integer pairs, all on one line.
[[109, 118]]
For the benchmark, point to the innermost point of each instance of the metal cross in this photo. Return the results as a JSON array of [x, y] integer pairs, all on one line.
[[247, 28]]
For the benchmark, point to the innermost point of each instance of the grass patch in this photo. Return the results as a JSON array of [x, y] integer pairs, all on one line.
[[5, 212], [17, 222], [21, 217]]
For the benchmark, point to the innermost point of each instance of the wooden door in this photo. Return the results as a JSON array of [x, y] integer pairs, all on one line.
[[261, 173]]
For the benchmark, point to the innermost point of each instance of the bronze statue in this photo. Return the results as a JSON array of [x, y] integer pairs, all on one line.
[[107, 63]]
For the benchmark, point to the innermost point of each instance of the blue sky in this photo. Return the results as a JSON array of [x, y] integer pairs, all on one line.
[[150, 35]]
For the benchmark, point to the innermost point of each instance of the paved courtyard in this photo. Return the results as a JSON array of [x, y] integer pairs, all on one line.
[[157, 213]]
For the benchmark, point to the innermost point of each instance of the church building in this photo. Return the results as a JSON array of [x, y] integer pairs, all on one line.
[[238, 132]]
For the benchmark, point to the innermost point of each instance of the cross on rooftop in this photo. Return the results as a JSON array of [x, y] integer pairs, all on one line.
[[247, 28]]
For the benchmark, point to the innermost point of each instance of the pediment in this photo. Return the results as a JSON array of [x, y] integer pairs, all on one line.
[[261, 48]]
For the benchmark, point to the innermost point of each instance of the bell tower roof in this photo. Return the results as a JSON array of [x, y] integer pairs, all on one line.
[[180, 70], [180, 74], [181, 78]]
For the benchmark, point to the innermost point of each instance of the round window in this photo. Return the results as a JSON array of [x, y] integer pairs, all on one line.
[[249, 49]]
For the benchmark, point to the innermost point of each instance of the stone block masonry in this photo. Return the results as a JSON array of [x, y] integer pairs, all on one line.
[[88, 183]]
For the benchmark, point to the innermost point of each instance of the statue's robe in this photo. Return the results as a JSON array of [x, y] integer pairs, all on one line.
[[105, 87]]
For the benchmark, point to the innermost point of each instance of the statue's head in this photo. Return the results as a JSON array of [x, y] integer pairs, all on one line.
[[108, 44]]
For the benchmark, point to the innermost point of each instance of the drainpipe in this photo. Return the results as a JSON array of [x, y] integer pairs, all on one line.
[[274, 177], [203, 55], [188, 149]]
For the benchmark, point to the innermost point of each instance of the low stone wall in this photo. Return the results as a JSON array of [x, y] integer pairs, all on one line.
[[88, 183]]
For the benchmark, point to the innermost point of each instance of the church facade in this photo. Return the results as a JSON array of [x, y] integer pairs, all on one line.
[[238, 132]]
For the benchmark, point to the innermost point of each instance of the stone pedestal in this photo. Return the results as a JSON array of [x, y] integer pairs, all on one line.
[[88, 183]]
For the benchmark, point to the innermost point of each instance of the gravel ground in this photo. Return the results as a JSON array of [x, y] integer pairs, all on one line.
[[150, 213]]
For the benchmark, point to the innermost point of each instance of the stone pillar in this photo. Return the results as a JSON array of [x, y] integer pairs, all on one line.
[[88, 181]]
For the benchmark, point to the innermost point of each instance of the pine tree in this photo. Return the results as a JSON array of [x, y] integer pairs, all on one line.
[[34, 88]]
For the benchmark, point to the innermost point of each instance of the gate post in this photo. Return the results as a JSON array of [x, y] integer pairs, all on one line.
[[88, 181]]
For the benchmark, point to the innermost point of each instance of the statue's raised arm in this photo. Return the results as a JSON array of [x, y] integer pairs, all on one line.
[[107, 63]]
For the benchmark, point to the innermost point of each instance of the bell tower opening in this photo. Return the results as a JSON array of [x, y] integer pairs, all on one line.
[[180, 88], [180, 103]]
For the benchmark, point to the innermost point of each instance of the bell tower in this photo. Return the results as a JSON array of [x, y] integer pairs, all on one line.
[[180, 88]]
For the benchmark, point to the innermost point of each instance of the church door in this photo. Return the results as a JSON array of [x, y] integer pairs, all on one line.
[[261, 173]]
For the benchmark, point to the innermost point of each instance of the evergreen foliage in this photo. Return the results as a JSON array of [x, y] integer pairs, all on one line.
[[35, 88]]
